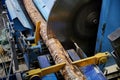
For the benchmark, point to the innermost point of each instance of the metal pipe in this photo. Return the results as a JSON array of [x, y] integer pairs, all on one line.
[[10, 67], [57, 51]]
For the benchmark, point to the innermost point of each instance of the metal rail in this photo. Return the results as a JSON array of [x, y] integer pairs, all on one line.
[[57, 51]]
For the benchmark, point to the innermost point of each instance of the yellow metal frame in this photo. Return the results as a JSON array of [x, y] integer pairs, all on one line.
[[37, 32], [44, 71], [97, 59]]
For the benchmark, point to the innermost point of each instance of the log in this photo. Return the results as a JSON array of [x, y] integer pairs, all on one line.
[[57, 51]]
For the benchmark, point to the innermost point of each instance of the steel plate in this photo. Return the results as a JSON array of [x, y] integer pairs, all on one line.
[[75, 21]]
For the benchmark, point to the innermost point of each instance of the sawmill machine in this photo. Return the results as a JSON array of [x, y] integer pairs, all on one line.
[[60, 40]]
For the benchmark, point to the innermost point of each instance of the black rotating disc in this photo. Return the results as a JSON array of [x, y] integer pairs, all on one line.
[[75, 21]]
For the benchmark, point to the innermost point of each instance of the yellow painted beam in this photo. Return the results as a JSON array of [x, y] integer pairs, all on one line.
[[45, 71], [52, 69], [97, 59], [37, 32], [85, 62]]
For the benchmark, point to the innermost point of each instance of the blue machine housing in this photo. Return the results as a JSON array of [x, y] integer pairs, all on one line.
[[17, 16], [23, 29], [109, 22], [44, 7]]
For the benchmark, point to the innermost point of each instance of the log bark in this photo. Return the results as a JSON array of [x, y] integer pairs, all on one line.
[[57, 51]]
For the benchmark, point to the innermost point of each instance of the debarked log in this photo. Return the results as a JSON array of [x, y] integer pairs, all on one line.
[[57, 51]]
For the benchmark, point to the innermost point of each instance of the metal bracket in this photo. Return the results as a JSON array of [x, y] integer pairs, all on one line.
[[37, 34]]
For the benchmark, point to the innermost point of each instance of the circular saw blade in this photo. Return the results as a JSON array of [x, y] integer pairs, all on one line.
[[75, 21]]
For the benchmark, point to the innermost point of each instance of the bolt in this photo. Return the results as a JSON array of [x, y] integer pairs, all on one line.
[[95, 21]]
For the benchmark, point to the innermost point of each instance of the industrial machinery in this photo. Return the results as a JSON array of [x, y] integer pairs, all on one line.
[[59, 39]]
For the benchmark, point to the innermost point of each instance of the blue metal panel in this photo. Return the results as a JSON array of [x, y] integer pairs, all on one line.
[[11, 77], [91, 72], [43, 61], [109, 22], [30, 58], [73, 55], [16, 13], [26, 58], [3, 2], [18, 25], [44, 6]]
